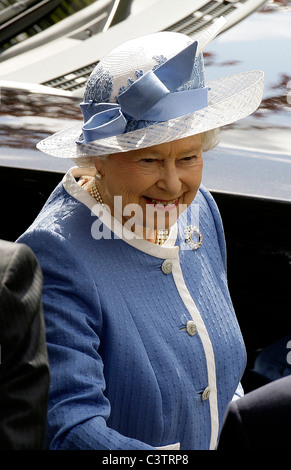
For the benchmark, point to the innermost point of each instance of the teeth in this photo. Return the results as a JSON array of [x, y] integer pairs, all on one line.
[[164, 203]]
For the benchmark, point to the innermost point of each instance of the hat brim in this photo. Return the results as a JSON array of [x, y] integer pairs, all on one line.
[[230, 99]]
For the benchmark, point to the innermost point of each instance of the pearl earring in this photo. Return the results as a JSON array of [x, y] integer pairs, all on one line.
[[98, 176]]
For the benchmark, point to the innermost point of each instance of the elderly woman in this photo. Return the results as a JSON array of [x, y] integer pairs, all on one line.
[[144, 346]]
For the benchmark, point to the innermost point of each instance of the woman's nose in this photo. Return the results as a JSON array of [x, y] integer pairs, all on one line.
[[169, 180]]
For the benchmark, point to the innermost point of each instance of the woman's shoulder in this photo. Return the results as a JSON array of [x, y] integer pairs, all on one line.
[[209, 215], [207, 205], [58, 210], [206, 196], [60, 218]]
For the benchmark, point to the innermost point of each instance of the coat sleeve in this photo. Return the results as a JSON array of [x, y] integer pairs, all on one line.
[[24, 369], [217, 221], [78, 408]]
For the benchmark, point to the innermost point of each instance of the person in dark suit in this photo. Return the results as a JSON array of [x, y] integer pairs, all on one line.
[[261, 420], [24, 369]]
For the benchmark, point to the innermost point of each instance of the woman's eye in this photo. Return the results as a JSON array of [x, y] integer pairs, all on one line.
[[149, 160], [188, 159]]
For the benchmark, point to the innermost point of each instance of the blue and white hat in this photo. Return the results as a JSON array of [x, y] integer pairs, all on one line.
[[152, 90]]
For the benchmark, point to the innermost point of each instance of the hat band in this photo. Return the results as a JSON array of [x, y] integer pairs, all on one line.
[[153, 97]]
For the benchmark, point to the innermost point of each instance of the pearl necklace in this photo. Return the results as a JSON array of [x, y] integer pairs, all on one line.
[[162, 235], [94, 192]]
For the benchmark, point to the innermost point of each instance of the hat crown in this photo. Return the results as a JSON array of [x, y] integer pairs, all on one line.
[[128, 62]]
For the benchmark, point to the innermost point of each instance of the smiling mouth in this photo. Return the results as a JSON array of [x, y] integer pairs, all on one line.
[[162, 201]]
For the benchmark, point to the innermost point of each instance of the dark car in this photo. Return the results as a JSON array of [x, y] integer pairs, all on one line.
[[30, 23], [248, 173]]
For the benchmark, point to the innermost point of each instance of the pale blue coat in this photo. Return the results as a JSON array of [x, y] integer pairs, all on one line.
[[127, 372]]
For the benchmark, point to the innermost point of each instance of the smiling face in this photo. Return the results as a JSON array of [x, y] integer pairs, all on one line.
[[161, 181]]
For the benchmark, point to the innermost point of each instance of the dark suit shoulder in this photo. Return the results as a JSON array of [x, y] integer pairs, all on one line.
[[20, 289], [267, 399], [262, 417], [24, 371], [13, 256]]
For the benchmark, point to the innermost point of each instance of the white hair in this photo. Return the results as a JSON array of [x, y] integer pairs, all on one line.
[[210, 139]]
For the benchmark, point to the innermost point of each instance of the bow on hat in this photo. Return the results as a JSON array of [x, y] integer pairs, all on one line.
[[150, 98]]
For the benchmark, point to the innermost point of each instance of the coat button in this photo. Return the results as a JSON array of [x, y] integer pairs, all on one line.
[[167, 266], [205, 394], [191, 328]]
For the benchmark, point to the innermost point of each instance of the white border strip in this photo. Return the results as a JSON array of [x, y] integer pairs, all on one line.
[[207, 345]]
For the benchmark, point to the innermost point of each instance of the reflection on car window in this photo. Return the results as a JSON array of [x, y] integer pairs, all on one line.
[[20, 20]]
